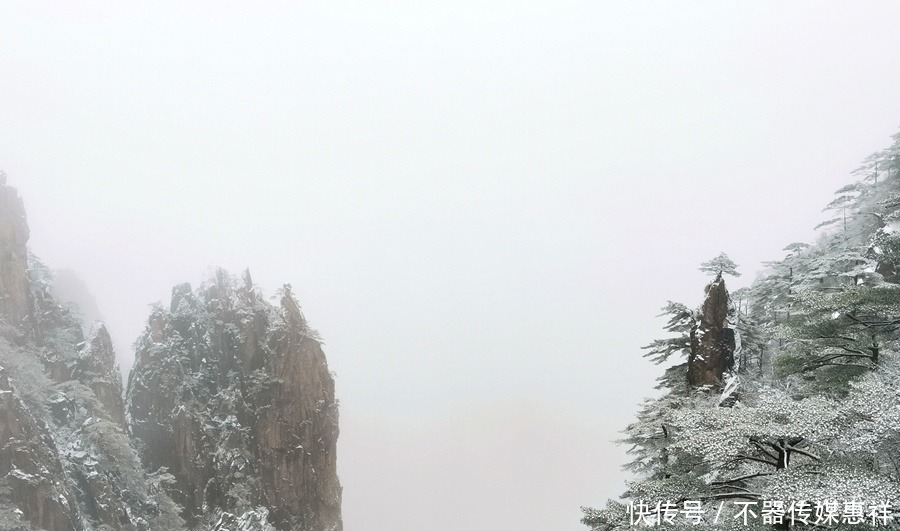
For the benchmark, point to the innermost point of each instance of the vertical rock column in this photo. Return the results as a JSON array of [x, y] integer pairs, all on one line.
[[233, 396], [31, 474], [712, 345], [13, 256], [97, 368]]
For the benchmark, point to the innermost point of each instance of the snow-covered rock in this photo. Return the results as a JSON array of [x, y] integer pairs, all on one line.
[[225, 388]]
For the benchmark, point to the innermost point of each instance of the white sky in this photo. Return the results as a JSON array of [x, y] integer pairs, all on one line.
[[481, 205]]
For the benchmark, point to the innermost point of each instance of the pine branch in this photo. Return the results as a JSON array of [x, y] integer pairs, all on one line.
[[801, 452]]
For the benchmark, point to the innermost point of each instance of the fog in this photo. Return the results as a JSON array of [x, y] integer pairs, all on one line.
[[481, 206]]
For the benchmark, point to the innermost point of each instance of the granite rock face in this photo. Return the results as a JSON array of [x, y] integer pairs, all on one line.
[[65, 460], [232, 395], [33, 486], [713, 342], [96, 367], [33, 491], [14, 233], [231, 421]]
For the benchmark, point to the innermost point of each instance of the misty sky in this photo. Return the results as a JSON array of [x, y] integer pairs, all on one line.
[[480, 205]]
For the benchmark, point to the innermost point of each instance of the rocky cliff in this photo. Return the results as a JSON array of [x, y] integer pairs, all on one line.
[[13, 259], [65, 460], [232, 395], [233, 419]]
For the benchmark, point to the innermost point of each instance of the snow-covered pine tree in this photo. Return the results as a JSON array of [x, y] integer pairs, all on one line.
[[705, 345], [816, 415], [720, 265]]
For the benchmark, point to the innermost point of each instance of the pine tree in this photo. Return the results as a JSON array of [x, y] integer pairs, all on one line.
[[705, 345], [720, 265], [812, 407]]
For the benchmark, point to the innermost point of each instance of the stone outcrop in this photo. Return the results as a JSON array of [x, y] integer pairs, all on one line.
[[96, 367], [233, 396], [712, 342], [32, 480], [33, 488], [65, 461], [14, 303], [232, 407]]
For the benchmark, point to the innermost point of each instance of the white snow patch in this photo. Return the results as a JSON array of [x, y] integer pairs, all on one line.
[[892, 227], [731, 386]]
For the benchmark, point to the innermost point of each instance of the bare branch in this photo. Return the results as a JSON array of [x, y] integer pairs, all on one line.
[[838, 365], [742, 489], [853, 353], [726, 495], [762, 449], [742, 478], [801, 452]]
